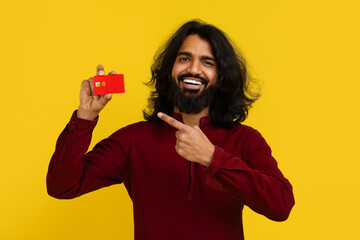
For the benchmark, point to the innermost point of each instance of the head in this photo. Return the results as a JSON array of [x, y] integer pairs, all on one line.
[[193, 76], [197, 68]]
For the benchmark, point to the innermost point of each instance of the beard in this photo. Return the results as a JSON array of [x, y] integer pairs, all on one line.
[[194, 102]]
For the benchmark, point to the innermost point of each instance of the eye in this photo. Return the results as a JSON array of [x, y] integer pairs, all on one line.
[[208, 63], [184, 59]]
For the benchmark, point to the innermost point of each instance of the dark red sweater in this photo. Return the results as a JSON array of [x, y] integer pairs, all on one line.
[[172, 197]]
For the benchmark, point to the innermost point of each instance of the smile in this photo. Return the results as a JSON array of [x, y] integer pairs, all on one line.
[[192, 82], [191, 85]]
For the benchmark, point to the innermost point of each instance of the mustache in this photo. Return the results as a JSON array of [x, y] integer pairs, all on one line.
[[197, 76]]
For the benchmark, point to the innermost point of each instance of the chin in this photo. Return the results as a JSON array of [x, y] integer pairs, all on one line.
[[190, 92]]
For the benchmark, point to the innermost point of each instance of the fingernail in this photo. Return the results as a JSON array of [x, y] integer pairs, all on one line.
[[159, 114], [101, 72]]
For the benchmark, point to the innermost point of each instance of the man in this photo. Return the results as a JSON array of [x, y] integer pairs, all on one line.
[[191, 167]]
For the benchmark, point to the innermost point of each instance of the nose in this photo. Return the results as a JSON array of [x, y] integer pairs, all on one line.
[[194, 67]]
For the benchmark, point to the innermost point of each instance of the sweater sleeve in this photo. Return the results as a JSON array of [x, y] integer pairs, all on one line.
[[73, 172], [255, 180]]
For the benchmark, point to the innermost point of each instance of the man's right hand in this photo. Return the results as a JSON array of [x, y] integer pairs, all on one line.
[[90, 104]]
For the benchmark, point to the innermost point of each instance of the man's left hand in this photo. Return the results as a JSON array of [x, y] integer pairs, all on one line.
[[191, 142]]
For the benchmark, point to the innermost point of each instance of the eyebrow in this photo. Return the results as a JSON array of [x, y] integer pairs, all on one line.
[[202, 57]]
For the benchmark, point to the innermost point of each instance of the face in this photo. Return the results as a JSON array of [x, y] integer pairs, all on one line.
[[195, 68]]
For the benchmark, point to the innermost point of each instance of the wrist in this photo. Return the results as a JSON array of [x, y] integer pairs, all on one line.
[[208, 157], [86, 114]]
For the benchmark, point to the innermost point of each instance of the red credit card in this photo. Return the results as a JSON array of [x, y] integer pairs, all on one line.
[[106, 84]]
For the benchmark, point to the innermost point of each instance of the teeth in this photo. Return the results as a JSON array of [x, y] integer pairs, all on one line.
[[190, 81]]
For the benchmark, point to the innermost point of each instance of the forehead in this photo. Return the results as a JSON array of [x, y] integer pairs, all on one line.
[[196, 46]]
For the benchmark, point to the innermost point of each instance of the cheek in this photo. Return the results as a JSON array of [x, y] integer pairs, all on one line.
[[174, 71], [212, 76]]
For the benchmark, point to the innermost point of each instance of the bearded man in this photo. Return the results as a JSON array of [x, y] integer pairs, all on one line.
[[191, 166]]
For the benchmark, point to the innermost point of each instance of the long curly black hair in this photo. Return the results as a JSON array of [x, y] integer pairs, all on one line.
[[233, 97]]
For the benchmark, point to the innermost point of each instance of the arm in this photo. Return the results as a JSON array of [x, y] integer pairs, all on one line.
[[255, 180], [71, 172]]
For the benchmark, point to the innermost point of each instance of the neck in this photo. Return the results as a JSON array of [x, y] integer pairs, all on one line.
[[193, 119]]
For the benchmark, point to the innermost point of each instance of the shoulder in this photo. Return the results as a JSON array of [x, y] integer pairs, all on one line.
[[249, 136], [244, 128], [254, 140], [252, 132], [242, 131]]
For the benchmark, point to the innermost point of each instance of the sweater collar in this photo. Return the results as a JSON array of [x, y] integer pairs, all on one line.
[[203, 121]]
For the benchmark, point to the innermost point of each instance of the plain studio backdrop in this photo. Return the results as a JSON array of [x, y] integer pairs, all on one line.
[[304, 54]]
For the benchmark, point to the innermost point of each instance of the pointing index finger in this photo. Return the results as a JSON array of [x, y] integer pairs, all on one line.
[[171, 121]]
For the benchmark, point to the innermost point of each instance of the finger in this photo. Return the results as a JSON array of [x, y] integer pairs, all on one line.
[[177, 149], [181, 135], [91, 82], [177, 134], [112, 72], [107, 97], [100, 70], [171, 121], [85, 86]]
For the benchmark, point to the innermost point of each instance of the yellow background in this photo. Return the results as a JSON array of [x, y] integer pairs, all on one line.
[[304, 53]]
